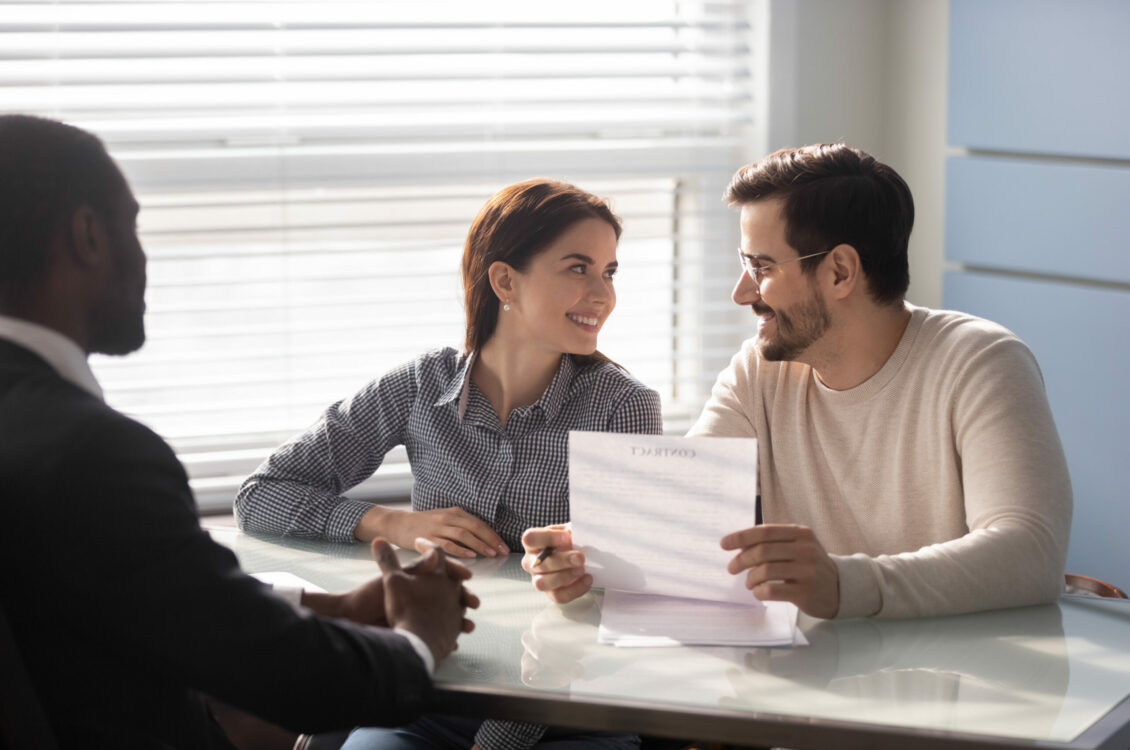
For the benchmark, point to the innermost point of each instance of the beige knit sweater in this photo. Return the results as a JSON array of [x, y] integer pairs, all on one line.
[[938, 485]]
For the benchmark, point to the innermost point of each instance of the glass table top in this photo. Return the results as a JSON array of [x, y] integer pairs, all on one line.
[[1041, 674]]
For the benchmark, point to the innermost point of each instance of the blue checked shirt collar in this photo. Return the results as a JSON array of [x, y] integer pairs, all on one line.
[[549, 403], [459, 387]]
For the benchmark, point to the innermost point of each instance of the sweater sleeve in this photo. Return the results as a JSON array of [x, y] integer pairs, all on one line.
[[298, 490], [726, 413], [1017, 498]]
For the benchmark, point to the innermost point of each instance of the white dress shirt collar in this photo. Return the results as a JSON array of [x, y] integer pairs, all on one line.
[[63, 354]]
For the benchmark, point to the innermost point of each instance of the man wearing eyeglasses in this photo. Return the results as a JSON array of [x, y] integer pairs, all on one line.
[[909, 464]]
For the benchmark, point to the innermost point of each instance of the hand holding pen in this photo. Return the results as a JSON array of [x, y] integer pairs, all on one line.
[[556, 568]]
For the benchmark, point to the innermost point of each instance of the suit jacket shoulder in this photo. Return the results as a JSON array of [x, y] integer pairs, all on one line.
[[124, 609]]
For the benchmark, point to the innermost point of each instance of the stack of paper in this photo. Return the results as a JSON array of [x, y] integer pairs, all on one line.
[[648, 620], [649, 512]]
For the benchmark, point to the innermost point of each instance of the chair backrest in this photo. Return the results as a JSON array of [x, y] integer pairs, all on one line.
[[22, 721], [1087, 586]]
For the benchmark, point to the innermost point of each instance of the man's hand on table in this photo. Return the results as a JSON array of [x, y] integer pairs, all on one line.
[[562, 575], [427, 598], [786, 563], [368, 603]]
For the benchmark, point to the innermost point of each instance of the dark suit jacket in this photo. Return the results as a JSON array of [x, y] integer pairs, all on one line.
[[124, 610]]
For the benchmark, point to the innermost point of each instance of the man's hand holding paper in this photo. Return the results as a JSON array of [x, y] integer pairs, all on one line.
[[649, 511], [786, 563], [649, 514]]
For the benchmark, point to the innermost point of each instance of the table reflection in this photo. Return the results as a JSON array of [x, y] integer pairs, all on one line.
[[1001, 672], [1042, 673]]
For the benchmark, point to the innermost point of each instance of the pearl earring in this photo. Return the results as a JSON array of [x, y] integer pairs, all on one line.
[[506, 307]]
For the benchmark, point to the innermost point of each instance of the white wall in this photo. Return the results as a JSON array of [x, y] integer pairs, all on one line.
[[871, 73]]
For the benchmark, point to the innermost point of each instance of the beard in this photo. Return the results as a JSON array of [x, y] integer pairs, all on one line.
[[117, 324], [797, 329], [119, 330]]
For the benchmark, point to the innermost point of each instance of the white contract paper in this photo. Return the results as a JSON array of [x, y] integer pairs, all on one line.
[[649, 511], [647, 620]]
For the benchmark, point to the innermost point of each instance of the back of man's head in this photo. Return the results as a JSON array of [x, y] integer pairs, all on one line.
[[833, 194], [47, 171]]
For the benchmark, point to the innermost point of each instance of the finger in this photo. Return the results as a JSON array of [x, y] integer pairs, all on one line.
[[472, 539], [742, 538], [484, 539], [563, 560], [470, 601], [791, 572], [451, 547], [385, 556], [774, 552], [441, 560], [457, 571], [766, 532], [558, 560], [537, 539], [468, 625], [780, 591], [736, 565], [569, 593], [558, 580], [763, 554]]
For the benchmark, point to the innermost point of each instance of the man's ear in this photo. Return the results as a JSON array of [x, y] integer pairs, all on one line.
[[502, 277], [89, 241], [846, 271]]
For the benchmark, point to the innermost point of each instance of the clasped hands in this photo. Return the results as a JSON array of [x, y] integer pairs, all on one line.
[[783, 562], [427, 597]]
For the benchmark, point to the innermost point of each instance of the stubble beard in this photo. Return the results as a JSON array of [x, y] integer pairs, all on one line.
[[796, 330]]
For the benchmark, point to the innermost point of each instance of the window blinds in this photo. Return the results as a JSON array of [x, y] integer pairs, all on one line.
[[308, 170]]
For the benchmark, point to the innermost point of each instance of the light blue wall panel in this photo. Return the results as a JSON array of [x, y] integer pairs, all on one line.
[[1050, 217], [1079, 336], [1041, 76]]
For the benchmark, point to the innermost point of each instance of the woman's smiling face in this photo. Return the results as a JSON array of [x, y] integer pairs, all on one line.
[[564, 295]]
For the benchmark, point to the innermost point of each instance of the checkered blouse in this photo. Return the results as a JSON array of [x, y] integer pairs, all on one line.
[[512, 477]]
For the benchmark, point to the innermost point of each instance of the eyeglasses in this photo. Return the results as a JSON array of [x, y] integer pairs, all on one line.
[[757, 272]]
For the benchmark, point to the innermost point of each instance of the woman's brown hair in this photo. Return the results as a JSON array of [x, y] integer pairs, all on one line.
[[516, 224]]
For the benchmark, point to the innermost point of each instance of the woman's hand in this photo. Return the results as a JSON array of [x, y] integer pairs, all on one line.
[[453, 530], [562, 575]]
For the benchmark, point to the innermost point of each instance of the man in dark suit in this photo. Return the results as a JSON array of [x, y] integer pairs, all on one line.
[[123, 610]]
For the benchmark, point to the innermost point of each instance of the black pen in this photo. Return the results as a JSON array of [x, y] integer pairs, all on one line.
[[545, 553]]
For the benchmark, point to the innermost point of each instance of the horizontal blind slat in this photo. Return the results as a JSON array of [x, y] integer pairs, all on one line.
[[308, 172]]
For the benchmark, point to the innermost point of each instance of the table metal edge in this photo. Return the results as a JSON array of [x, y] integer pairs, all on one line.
[[741, 728]]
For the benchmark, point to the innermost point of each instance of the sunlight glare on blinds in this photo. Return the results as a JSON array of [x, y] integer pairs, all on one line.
[[308, 170]]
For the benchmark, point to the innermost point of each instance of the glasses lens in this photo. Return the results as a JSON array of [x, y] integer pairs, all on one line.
[[755, 271]]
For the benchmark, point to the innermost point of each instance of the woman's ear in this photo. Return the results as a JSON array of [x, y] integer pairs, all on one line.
[[502, 279]]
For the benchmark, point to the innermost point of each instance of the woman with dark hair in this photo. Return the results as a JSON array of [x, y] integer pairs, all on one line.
[[486, 428]]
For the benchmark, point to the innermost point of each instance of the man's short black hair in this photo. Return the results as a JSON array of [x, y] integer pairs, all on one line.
[[47, 171], [833, 194]]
